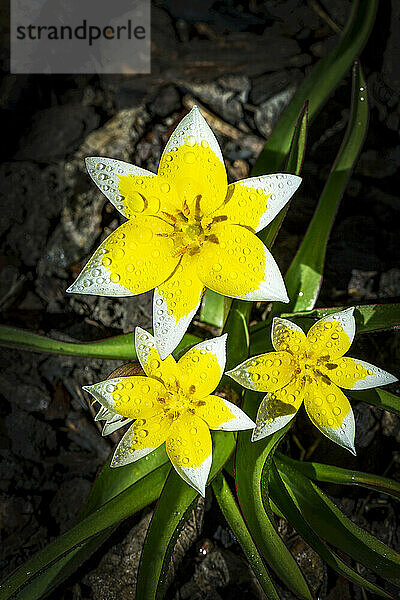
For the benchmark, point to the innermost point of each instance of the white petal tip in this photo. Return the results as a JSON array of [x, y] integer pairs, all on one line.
[[86, 388], [257, 435]]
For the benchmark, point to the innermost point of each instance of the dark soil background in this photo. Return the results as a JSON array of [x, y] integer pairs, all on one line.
[[241, 63]]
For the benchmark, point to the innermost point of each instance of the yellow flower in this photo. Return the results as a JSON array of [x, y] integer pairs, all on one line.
[[172, 404], [310, 368], [186, 230]]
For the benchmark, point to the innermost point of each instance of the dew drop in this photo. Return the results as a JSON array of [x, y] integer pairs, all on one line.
[[189, 157]]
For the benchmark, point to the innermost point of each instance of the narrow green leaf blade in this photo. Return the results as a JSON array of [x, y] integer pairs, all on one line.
[[170, 515], [333, 474], [294, 164], [250, 460], [332, 525], [317, 87], [119, 347], [304, 276], [283, 500], [231, 512]]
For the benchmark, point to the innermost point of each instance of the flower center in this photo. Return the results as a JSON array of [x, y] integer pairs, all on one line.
[[191, 229]]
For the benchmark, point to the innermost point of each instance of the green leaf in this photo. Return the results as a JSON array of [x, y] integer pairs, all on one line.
[[298, 144], [212, 309], [288, 508], [332, 525], [170, 515], [319, 84], [369, 317], [250, 461], [134, 498], [294, 164], [379, 398], [304, 276], [236, 327], [333, 474], [231, 512], [119, 347]]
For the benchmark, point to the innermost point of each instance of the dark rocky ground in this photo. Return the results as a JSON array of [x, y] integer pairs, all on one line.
[[241, 62]]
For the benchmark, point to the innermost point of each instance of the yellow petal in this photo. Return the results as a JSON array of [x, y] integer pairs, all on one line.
[[255, 202], [142, 437], [135, 258], [330, 411], [107, 174], [175, 304], [166, 370], [202, 366], [192, 163], [189, 448], [221, 414], [148, 195], [354, 374], [131, 397], [288, 337], [237, 264], [264, 373], [278, 408], [332, 336]]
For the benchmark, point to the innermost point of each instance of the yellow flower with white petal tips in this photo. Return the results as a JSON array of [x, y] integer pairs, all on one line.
[[187, 229], [174, 404], [311, 368]]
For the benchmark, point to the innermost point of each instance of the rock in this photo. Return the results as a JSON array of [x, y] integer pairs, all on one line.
[[366, 424], [116, 576], [34, 195], [389, 284], [379, 164], [268, 85], [224, 96], [20, 382], [122, 314], [30, 438], [166, 101], [268, 113], [68, 501], [361, 285], [56, 132]]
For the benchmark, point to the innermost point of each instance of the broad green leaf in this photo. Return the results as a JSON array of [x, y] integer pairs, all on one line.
[[369, 317], [108, 484], [250, 461], [232, 514], [111, 482], [286, 506], [294, 164], [333, 474], [379, 398], [119, 347], [212, 309], [304, 276], [332, 525], [172, 511], [134, 498], [319, 84]]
